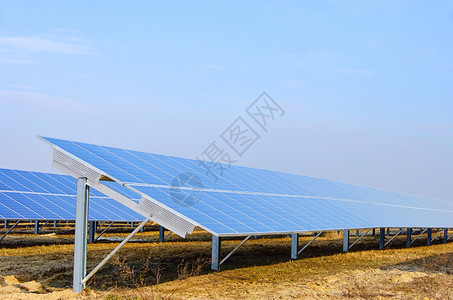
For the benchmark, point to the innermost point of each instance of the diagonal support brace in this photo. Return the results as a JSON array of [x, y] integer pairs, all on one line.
[[103, 231], [424, 230], [311, 241], [9, 230], [234, 250], [398, 233], [359, 238], [106, 259]]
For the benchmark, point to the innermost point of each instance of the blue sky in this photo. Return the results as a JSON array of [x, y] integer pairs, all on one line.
[[366, 86]]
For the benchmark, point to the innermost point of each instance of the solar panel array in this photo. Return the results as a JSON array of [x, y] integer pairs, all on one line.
[[42, 196], [255, 201]]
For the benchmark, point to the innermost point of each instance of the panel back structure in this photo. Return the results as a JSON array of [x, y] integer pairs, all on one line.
[[180, 193]]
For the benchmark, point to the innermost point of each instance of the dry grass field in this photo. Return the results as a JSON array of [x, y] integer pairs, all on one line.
[[40, 267]]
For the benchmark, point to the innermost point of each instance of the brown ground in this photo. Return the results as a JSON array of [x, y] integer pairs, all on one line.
[[40, 267]]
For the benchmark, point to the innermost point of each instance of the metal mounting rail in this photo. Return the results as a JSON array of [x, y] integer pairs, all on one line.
[[398, 233], [311, 241], [234, 250], [359, 238], [419, 235]]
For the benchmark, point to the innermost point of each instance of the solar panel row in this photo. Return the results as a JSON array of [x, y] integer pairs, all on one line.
[[42, 196], [255, 201]]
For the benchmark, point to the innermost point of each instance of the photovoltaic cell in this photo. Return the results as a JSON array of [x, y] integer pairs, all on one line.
[[256, 201]]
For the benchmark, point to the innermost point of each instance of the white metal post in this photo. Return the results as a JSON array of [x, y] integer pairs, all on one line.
[[408, 237], [91, 231], [294, 245], [345, 240], [161, 234], [80, 238], [381, 238], [215, 259]]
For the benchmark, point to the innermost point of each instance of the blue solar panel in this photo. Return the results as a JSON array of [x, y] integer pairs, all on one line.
[[255, 201], [42, 196]]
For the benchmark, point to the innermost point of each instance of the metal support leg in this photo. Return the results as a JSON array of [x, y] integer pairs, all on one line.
[[294, 245], [381, 238], [161, 234], [388, 231], [6, 224], [91, 231], [36, 231], [215, 252], [357, 232], [408, 237], [54, 224], [374, 231], [445, 235], [80, 239], [132, 224], [345, 240], [428, 242]]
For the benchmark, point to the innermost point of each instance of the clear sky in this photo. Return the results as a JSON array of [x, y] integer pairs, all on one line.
[[367, 86]]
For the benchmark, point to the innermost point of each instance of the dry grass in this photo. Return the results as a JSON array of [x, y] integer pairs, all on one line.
[[259, 269]]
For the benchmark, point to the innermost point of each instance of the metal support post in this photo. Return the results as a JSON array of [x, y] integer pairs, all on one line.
[[445, 235], [91, 231], [294, 245], [388, 231], [408, 237], [6, 224], [80, 239], [36, 231], [132, 224], [357, 232], [215, 259], [345, 240], [428, 242], [54, 224], [161, 234], [381, 238], [374, 231]]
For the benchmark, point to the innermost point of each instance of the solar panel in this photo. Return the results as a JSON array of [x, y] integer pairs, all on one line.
[[42, 196], [244, 200]]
